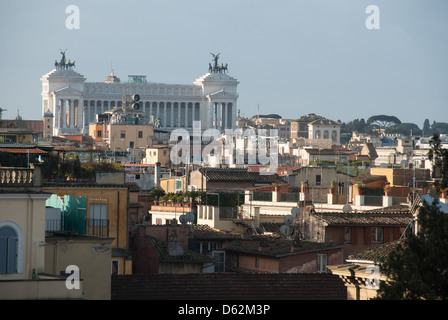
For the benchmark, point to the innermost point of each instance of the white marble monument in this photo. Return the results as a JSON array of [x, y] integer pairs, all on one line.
[[74, 103]]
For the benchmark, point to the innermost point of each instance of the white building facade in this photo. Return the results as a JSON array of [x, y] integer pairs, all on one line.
[[74, 103]]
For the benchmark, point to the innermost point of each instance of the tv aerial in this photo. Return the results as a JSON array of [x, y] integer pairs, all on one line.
[[287, 229], [295, 212], [289, 219]]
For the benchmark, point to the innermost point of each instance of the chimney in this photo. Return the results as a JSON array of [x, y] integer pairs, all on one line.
[[157, 175], [174, 248]]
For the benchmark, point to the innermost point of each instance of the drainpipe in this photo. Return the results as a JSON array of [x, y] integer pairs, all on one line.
[[118, 218]]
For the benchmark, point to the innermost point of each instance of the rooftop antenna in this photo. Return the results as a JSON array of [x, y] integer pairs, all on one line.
[[286, 229], [186, 218]]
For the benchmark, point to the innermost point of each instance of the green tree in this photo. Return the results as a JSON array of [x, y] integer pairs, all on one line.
[[426, 127], [418, 267], [439, 127], [383, 121], [157, 193], [270, 116], [404, 128], [439, 158]]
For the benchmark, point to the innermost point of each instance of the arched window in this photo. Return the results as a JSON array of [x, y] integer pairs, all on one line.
[[317, 134], [334, 136], [326, 134], [8, 250]]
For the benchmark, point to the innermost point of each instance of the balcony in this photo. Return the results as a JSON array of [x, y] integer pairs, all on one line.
[[19, 177], [83, 227]]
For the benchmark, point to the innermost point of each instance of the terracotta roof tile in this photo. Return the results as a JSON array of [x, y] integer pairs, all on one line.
[[374, 218], [376, 254], [205, 232], [229, 286], [239, 175], [278, 247], [187, 256], [17, 150]]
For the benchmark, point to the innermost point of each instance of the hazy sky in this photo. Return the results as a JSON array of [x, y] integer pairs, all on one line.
[[291, 57]]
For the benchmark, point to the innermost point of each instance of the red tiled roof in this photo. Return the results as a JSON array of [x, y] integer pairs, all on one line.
[[17, 150], [376, 254], [187, 256], [228, 286], [279, 247], [205, 232], [365, 218], [239, 175]]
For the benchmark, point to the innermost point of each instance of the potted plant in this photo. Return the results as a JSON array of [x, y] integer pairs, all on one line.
[[179, 199], [333, 188], [360, 186], [193, 195], [387, 190], [166, 198], [157, 193]]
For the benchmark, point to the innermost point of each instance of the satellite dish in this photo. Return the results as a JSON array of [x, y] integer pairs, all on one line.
[[142, 154], [295, 212], [183, 219], [289, 219], [189, 217], [135, 106], [347, 209], [136, 97], [284, 230]]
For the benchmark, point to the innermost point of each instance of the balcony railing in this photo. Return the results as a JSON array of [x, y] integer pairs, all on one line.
[[85, 227], [16, 177]]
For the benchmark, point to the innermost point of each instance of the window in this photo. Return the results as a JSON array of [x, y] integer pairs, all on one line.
[[257, 262], [321, 263], [115, 267], [318, 179], [341, 187], [334, 136], [347, 235], [123, 134], [8, 250], [98, 214], [99, 134], [376, 235], [140, 134], [220, 261], [131, 144]]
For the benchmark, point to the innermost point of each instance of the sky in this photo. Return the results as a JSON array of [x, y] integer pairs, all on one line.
[[291, 57]]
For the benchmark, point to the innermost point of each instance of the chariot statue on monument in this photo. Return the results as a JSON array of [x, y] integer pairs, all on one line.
[[216, 68], [63, 64]]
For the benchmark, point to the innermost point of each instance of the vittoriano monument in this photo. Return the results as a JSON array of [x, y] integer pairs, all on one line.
[[215, 68], [63, 64], [74, 102]]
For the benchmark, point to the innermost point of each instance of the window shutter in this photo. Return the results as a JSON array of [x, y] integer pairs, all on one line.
[[367, 235], [8, 250], [3, 254], [12, 256]]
